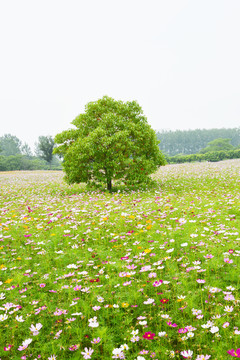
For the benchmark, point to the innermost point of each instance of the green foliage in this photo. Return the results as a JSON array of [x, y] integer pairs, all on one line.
[[26, 150], [192, 141], [23, 162], [112, 142], [44, 148], [217, 145], [212, 156], [10, 145]]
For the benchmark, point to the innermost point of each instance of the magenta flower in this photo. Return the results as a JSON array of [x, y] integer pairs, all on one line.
[[8, 347], [148, 335], [172, 324], [234, 353], [74, 347], [182, 330]]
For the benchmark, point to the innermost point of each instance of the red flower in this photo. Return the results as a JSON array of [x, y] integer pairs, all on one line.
[[94, 280], [148, 335], [164, 301]]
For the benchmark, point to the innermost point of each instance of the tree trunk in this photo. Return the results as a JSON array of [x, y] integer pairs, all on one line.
[[109, 185]]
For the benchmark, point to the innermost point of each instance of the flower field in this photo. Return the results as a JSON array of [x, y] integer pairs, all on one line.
[[129, 275]]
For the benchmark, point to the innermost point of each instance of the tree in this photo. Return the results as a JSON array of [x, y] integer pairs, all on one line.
[[111, 141], [26, 150], [10, 145], [217, 145], [44, 148]]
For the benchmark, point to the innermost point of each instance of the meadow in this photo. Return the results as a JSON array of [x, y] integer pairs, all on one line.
[[144, 274]]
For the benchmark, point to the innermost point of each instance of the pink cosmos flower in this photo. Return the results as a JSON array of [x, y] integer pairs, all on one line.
[[234, 353], [171, 324], [157, 283], [78, 287], [74, 347], [42, 285], [143, 352], [182, 330], [229, 297], [201, 281], [208, 256], [229, 261], [96, 341], [203, 357], [226, 324]]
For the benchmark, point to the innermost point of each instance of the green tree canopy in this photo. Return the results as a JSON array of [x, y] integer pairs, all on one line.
[[111, 141], [44, 148], [10, 145], [218, 145]]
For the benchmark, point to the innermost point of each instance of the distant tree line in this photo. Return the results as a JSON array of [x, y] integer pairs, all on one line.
[[15, 155], [193, 141], [211, 156]]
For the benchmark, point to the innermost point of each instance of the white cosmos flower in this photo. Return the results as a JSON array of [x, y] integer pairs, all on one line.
[[35, 329], [3, 317], [134, 332], [26, 342], [187, 354], [148, 301], [124, 347], [214, 329], [19, 318], [144, 322], [162, 333]]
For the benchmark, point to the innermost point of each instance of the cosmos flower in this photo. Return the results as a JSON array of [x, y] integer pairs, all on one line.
[[96, 341], [234, 353], [148, 335], [74, 347], [87, 353], [182, 330], [35, 329], [187, 354], [25, 344], [171, 324]]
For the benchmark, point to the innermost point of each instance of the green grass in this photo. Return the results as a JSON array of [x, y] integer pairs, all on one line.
[[69, 254]]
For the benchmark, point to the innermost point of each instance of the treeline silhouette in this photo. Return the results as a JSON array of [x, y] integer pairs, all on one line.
[[193, 141], [15, 155]]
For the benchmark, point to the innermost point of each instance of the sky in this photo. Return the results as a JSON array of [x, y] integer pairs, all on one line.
[[179, 59]]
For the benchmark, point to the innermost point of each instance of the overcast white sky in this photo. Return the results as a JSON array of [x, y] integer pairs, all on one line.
[[180, 59]]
